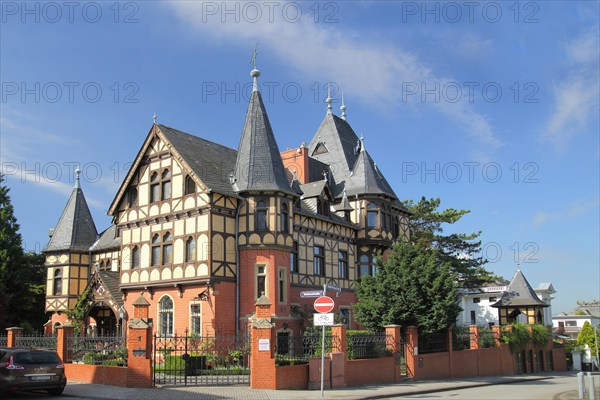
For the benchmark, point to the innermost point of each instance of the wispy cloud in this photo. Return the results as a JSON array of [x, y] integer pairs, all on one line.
[[575, 98], [575, 209], [372, 71]]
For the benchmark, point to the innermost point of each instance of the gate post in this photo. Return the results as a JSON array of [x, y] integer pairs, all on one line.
[[139, 345], [411, 351], [63, 333], [262, 361], [12, 335], [393, 345], [338, 355]]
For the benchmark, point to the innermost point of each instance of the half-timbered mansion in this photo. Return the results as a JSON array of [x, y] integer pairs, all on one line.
[[202, 230]]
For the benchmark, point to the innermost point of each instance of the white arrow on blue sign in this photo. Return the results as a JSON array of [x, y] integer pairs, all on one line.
[[311, 293]]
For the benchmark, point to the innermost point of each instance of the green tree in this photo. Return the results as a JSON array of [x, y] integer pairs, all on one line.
[[22, 275], [462, 251], [586, 336], [413, 287]]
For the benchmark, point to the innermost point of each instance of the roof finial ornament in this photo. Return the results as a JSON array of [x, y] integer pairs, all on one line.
[[328, 100], [362, 143], [255, 73], [154, 118], [343, 108], [77, 173]]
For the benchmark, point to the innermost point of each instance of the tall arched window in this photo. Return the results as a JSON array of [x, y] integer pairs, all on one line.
[[108, 265], [190, 249], [365, 265], [135, 257], [284, 217], [165, 316], [132, 196], [155, 257], [165, 192], [261, 216], [167, 249], [189, 186], [154, 188], [372, 215], [57, 284]]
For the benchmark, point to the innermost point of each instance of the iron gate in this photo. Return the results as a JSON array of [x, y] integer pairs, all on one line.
[[201, 360]]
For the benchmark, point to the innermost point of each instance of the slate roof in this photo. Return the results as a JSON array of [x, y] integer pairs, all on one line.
[[210, 161], [350, 164], [313, 189], [259, 166], [75, 230], [111, 282], [519, 293], [108, 240]]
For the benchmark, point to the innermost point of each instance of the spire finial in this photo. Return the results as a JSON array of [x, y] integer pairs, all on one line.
[[77, 173], [154, 118], [255, 73], [343, 108], [362, 143], [328, 100]]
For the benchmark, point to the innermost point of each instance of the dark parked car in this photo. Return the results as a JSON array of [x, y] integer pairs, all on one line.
[[25, 369]]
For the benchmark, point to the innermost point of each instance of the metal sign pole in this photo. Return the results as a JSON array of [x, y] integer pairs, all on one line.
[[323, 351]]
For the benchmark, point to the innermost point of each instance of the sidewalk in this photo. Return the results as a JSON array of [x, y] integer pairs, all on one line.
[[101, 392]]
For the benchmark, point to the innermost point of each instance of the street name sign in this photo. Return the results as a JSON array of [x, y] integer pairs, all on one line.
[[311, 293]]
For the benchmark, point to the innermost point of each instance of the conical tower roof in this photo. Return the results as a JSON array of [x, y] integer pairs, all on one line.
[[519, 293], [259, 166], [75, 230]]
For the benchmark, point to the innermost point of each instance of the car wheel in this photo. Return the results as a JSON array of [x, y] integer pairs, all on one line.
[[55, 392]]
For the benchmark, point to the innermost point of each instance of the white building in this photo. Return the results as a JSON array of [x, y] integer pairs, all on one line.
[[571, 324], [477, 303]]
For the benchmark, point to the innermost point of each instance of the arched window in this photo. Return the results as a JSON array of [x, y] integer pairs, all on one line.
[[189, 186], [261, 216], [165, 316], [108, 265], [132, 196], [322, 207], [167, 249], [101, 267], [372, 215], [155, 257], [57, 284], [135, 257], [154, 188], [165, 192], [190, 249], [284, 217]]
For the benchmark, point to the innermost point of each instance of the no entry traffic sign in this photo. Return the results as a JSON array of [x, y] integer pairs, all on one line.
[[324, 304]]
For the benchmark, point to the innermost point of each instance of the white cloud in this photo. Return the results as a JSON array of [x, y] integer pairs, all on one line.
[[575, 209], [575, 98], [372, 71]]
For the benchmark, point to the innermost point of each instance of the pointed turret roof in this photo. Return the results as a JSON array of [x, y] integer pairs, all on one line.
[[259, 166], [75, 230], [519, 293], [367, 178]]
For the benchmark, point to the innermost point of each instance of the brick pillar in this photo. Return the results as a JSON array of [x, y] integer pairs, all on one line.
[[393, 343], [497, 334], [474, 336], [12, 335], [338, 356], [262, 362], [411, 351], [139, 345], [63, 334]]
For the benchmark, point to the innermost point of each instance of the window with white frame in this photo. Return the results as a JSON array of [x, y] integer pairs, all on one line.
[[196, 319], [261, 281], [165, 316]]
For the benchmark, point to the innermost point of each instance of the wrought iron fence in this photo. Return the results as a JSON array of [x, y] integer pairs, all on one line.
[[290, 350], [201, 360], [435, 342], [36, 341], [487, 338], [461, 339], [3, 340], [97, 350], [368, 345]]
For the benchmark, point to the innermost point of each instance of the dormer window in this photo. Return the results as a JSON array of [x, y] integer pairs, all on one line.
[[320, 149], [322, 207]]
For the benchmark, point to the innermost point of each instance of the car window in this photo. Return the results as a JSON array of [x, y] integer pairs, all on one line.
[[35, 357]]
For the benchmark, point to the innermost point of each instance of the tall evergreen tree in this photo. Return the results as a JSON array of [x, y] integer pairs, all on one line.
[[411, 288], [462, 251], [22, 276], [586, 336]]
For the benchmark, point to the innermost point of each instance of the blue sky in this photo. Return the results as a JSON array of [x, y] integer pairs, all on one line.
[[492, 106]]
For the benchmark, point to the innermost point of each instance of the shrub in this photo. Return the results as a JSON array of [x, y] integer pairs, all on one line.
[[518, 338], [539, 334]]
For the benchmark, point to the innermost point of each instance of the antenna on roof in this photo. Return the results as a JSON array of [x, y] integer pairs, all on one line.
[[343, 108], [328, 100], [255, 73]]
